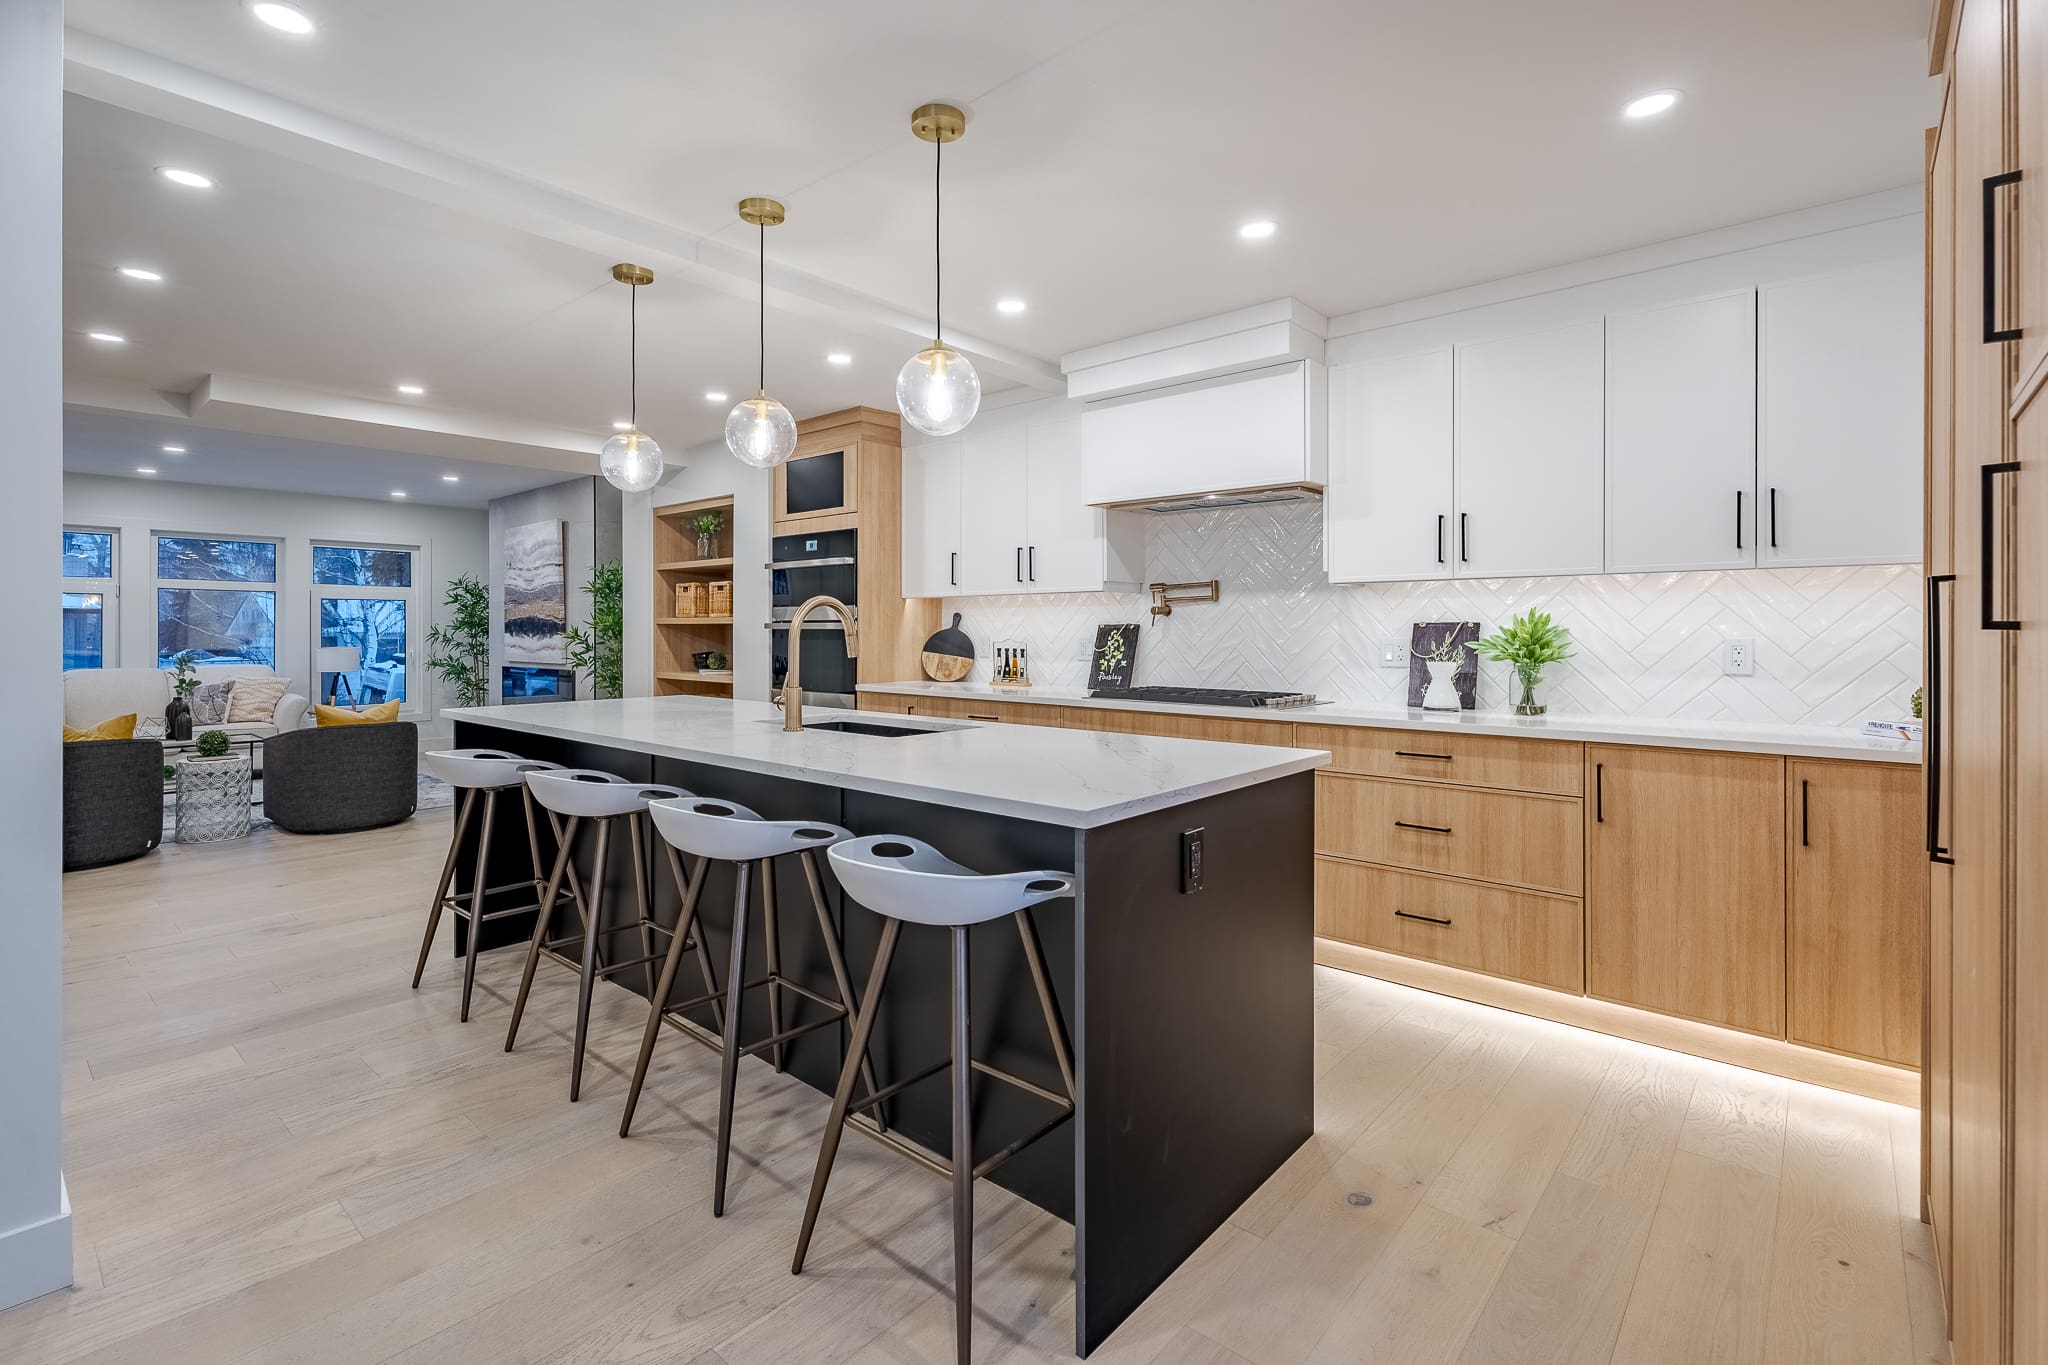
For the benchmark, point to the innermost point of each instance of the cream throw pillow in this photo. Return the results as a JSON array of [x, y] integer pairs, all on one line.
[[254, 699]]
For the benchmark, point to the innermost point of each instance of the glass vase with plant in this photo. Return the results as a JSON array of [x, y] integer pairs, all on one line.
[[1529, 644], [459, 649], [601, 649], [707, 525]]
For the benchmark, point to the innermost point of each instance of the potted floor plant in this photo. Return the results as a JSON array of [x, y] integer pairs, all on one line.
[[459, 649], [1529, 644], [601, 649]]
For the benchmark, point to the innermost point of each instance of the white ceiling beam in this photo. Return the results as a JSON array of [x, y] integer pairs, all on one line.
[[100, 68]]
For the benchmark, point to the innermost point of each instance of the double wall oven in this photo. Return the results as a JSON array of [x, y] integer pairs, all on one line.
[[805, 566]]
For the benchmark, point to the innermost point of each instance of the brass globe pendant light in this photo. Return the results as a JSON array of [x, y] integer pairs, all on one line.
[[631, 460], [937, 391], [759, 431]]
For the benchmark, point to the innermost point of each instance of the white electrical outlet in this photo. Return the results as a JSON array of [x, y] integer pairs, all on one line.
[[1738, 658], [1393, 654]]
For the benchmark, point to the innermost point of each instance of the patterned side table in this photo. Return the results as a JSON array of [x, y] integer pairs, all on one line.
[[213, 798]]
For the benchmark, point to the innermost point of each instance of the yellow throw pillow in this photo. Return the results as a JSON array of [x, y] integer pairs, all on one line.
[[120, 727], [254, 700], [382, 713]]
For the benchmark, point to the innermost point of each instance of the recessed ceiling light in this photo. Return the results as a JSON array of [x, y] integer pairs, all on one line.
[[136, 272], [398, 492], [451, 478], [145, 469], [111, 338], [622, 426], [1009, 305], [174, 450], [1258, 228], [411, 390], [714, 396], [1650, 105], [283, 18], [191, 180], [839, 358]]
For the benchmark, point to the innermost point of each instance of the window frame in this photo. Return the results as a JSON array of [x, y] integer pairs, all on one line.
[[414, 702], [108, 588], [160, 585]]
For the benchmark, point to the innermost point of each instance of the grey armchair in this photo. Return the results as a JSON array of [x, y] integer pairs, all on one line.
[[334, 779], [113, 800]]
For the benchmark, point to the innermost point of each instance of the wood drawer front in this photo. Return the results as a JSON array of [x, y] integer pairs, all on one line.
[[1531, 841], [1530, 765], [1517, 934]]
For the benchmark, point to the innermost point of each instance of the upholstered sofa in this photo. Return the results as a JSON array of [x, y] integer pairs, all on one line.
[[113, 800], [92, 695], [333, 779]]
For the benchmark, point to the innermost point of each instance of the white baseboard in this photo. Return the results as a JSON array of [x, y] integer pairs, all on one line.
[[36, 1259]]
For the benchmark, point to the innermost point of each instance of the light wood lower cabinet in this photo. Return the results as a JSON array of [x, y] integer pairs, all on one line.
[[1491, 929], [1685, 884], [1855, 928], [1504, 837], [1530, 765]]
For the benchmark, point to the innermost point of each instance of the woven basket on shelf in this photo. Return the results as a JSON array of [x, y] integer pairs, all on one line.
[[691, 600], [721, 599]]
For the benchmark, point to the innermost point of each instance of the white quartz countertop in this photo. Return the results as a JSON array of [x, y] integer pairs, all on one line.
[[1077, 778], [1797, 741]]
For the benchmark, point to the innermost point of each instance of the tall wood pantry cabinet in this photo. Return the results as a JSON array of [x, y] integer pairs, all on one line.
[[1985, 1115]]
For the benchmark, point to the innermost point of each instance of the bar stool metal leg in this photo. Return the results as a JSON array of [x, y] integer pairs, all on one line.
[[447, 879], [729, 1061], [1041, 981], [588, 980], [842, 1097], [963, 1155], [478, 901], [564, 864], [836, 957], [640, 895], [771, 943], [686, 921], [692, 888]]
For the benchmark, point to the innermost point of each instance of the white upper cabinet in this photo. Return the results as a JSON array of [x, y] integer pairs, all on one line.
[[1529, 458], [992, 510], [1388, 509], [1070, 546], [1253, 430], [1681, 436], [1839, 379], [931, 519]]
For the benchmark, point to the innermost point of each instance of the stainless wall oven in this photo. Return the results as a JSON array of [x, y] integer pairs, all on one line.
[[805, 566]]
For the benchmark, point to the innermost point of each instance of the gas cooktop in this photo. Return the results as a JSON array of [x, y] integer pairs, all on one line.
[[1204, 696]]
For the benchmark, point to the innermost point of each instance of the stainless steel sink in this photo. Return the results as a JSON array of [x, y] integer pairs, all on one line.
[[868, 727]]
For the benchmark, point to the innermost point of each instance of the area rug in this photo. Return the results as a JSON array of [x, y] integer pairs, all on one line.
[[434, 794]]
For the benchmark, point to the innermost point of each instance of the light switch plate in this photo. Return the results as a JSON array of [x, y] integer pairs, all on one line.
[[1738, 658], [1394, 654]]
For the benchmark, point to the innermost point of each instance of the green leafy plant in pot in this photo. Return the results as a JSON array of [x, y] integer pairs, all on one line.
[[1530, 643], [459, 649], [211, 744], [602, 648]]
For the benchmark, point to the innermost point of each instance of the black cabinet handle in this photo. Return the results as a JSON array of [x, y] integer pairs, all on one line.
[[1992, 331], [1936, 851], [1439, 537], [1405, 753], [1989, 476], [1805, 825], [1020, 563], [1031, 562], [1774, 518], [1426, 829], [972, 716], [1426, 919], [1464, 541], [1599, 793], [953, 568], [1738, 518]]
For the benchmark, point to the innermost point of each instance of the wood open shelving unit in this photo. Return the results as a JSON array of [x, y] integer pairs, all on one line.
[[677, 639]]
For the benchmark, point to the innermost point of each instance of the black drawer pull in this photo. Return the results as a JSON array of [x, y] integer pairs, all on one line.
[[1738, 518], [1936, 850], [1426, 829], [1989, 475], [1599, 793], [953, 567], [1405, 753], [1992, 331], [1426, 919], [972, 716], [1805, 824], [1464, 544]]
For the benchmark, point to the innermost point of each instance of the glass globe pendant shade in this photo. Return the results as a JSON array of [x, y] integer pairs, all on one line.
[[760, 432], [631, 461], [937, 391]]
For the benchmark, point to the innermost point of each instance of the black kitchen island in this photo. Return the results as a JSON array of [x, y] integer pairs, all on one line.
[[1182, 965]]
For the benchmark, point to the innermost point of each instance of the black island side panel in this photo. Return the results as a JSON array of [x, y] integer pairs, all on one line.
[[1196, 1037]]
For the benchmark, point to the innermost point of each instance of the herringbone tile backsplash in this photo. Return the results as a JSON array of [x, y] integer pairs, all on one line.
[[1833, 646]]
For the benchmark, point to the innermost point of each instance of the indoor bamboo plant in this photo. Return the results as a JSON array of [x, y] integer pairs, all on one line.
[[602, 648], [459, 649], [1529, 644]]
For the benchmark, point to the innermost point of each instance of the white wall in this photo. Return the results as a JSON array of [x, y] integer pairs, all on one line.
[[35, 1218], [588, 509], [706, 471], [449, 541]]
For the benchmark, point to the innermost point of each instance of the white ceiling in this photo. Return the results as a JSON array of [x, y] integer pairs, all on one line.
[[435, 191]]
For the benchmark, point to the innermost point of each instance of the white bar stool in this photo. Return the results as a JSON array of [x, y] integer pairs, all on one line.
[[580, 795], [724, 831], [906, 880], [489, 771]]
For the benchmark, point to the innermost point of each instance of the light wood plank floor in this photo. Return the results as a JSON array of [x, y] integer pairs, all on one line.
[[279, 1153]]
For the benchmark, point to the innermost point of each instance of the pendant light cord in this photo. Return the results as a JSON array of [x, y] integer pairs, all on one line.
[[633, 360], [938, 257], [761, 256]]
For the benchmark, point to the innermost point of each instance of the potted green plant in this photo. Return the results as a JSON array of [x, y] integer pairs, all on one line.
[[601, 649], [707, 525], [459, 649], [211, 744], [184, 682], [1529, 644]]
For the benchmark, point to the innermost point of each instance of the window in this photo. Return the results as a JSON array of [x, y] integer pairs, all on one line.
[[363, 598], [233, 624], [89, 597]]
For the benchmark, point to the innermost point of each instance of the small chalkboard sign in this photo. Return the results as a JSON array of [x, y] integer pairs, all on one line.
[[1115, 660]]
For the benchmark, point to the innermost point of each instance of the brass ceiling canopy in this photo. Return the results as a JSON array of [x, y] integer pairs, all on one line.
[[761, 212], [635, 275], [938, 123]]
